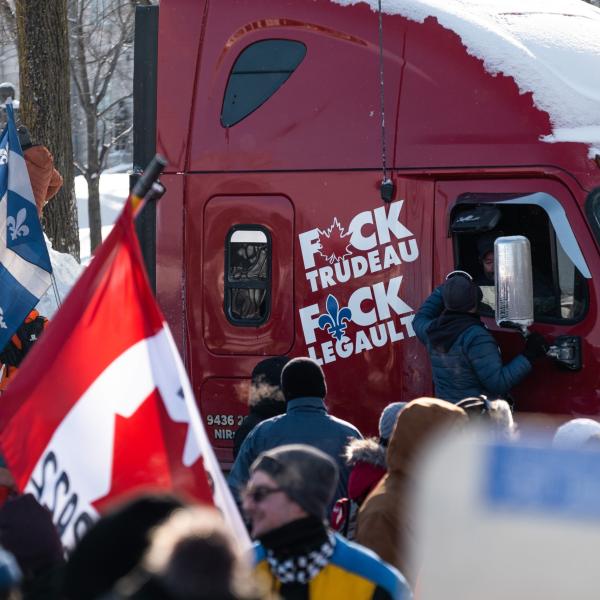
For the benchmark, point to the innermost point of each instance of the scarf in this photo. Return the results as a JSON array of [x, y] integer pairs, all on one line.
[[299, 551], [446, 329]]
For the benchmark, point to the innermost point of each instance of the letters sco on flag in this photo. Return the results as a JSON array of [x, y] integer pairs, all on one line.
[[113, 411]]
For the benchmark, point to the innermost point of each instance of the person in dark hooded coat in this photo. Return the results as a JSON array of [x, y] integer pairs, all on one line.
[[265, 399], [465, 357], [385, 519]]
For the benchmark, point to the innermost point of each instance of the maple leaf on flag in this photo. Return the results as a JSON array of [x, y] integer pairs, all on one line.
[[160, 446], [333, 246], [112, 411]]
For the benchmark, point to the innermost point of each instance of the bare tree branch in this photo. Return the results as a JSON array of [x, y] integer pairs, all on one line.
[[81, 170], [107, 109], [101, 34], [8, 21], [107, 146]]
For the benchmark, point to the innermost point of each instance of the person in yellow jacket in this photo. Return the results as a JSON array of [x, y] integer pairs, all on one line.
[[19, 345], [286, 499]]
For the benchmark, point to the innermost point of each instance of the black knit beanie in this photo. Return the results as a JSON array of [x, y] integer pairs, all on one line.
[[303, 377], [307, 475], [269, 370], [460, 294], [115, 544], [27, 531]]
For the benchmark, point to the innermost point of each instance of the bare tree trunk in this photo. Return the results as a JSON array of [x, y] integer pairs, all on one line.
[[92, 176], [94, 216], [99, 41], [43, 46]]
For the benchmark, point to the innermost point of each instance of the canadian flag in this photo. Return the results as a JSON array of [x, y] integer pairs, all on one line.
[[102, 405]]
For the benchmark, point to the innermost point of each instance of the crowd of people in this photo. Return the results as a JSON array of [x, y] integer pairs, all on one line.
[[329, 511]]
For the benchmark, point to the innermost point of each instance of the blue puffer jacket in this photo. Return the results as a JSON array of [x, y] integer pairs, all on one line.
[[306, 421], [473, 365]]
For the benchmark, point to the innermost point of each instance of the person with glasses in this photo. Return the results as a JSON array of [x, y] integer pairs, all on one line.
[[465, 357], [286, 500]]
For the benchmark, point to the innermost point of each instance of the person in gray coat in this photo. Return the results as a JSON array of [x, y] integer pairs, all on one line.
[[465, 357]]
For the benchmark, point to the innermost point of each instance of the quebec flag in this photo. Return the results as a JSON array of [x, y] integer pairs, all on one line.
[[25, 268]]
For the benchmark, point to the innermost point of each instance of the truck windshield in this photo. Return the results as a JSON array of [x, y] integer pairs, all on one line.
[[592, 209]]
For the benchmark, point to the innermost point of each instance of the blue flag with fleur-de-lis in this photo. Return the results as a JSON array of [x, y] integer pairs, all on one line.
[[25, 268]]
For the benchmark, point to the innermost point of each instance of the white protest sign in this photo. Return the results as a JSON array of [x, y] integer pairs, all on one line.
[[497, 521]]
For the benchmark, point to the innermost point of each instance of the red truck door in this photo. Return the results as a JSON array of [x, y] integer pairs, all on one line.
[[563, 258]]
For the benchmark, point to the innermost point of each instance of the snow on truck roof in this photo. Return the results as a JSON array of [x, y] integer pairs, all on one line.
[[550, 48]]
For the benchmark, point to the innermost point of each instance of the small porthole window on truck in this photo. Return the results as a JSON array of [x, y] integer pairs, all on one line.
[[247, 275], [258, 72]]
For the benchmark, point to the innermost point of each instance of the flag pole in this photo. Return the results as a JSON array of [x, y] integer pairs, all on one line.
[[147, 187]]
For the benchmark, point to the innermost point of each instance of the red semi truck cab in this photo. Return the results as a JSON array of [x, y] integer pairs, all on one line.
[[273, 238]]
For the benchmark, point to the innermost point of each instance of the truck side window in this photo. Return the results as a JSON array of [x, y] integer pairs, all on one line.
[[247, 275], [258, 72], [592, 209], [559, 287]]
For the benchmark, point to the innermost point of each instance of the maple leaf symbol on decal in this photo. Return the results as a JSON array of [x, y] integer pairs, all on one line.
[[333, 245]]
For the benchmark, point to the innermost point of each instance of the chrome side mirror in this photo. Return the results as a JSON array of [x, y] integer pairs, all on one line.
[[514, 282]]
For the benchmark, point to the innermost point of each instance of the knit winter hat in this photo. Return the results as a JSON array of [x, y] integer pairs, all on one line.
[[269, 370], [485, 244], [387, 420], [495, 413], [575, 433], [460, 293], [307, 475], [27, 531], [115, 544], [303, 377]]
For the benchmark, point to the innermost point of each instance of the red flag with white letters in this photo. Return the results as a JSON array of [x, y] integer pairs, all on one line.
[[102, 406]]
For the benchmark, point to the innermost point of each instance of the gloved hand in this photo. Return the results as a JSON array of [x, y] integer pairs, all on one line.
[[11, 355], [535, 346]]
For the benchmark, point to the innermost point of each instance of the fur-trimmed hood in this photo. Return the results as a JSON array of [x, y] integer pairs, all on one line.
[[367, 450], [266, 400]]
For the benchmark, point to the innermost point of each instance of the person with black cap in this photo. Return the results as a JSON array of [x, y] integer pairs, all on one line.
[[465, 357], [265, 398], [485, 254], [306, 421], [545, 300], [286, 500]]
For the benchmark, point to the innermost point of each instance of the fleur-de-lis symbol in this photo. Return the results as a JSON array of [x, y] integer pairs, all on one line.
[[2, 323], [336, 321], [3, 156], [18, 228]]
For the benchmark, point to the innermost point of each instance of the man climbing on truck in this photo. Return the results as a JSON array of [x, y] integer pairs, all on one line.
[[465, 357]]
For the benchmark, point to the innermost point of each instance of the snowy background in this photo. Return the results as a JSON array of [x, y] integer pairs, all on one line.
[[114, 188]]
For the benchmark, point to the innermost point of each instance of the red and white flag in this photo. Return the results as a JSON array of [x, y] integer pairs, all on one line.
[[102, 405]]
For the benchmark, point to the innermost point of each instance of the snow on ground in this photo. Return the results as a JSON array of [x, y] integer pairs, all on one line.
[[66, 271], [549, 47], [114, 188]]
